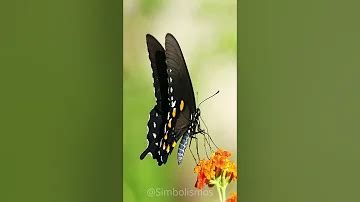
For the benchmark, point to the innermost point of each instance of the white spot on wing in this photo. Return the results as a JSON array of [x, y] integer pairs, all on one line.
[[154, 125], [173, 103], [171, 89], [154, 135]]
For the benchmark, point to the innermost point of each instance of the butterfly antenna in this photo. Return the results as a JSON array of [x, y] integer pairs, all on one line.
[[209, 97]]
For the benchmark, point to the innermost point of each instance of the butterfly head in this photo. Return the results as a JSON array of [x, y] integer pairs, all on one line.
[[197, 112], [196, 115]]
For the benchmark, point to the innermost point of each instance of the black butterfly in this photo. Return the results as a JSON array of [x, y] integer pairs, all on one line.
[[175, 114]]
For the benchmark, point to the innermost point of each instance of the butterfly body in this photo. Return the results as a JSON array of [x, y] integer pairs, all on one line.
[[190, 133], [175, 114]]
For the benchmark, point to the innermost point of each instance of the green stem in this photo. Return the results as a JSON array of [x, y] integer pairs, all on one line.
[[224, 193], [221, 183], [219, 191]]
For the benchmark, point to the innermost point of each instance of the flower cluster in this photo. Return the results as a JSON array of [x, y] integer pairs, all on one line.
[[219, 166], [218, 171]]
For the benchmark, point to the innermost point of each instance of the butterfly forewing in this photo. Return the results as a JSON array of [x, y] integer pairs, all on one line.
[[181, 96], [180, 86]]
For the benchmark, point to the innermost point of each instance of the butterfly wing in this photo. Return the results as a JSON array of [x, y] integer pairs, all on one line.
[[180, 95], [157, 117], [157, 58]]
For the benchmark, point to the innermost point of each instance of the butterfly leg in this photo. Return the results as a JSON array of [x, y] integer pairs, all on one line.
[[197, 147], [208, 135], [206, 141], [191, 151]]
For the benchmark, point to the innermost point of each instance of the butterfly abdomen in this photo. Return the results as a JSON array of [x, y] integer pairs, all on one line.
[[182, 146]]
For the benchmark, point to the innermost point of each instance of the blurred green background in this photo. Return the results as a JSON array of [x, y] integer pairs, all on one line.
[[206, 31], [298, 101], [60, 101]]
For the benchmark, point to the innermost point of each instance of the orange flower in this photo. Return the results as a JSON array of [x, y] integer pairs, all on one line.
[[232, 172], [201, 181], [223, 153], [233, 197], [201, 178]]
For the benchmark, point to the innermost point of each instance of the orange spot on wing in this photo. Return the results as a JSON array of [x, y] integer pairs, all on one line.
[[182, 105], [169, 124], [174, 112]]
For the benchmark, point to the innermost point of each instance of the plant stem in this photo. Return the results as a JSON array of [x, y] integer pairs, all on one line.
[[223, 190], [223, 184], [220, 193]]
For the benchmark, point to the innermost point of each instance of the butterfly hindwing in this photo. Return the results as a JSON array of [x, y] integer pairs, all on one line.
[[159, 71], [155, 125], [157, 118], [169, 141]]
